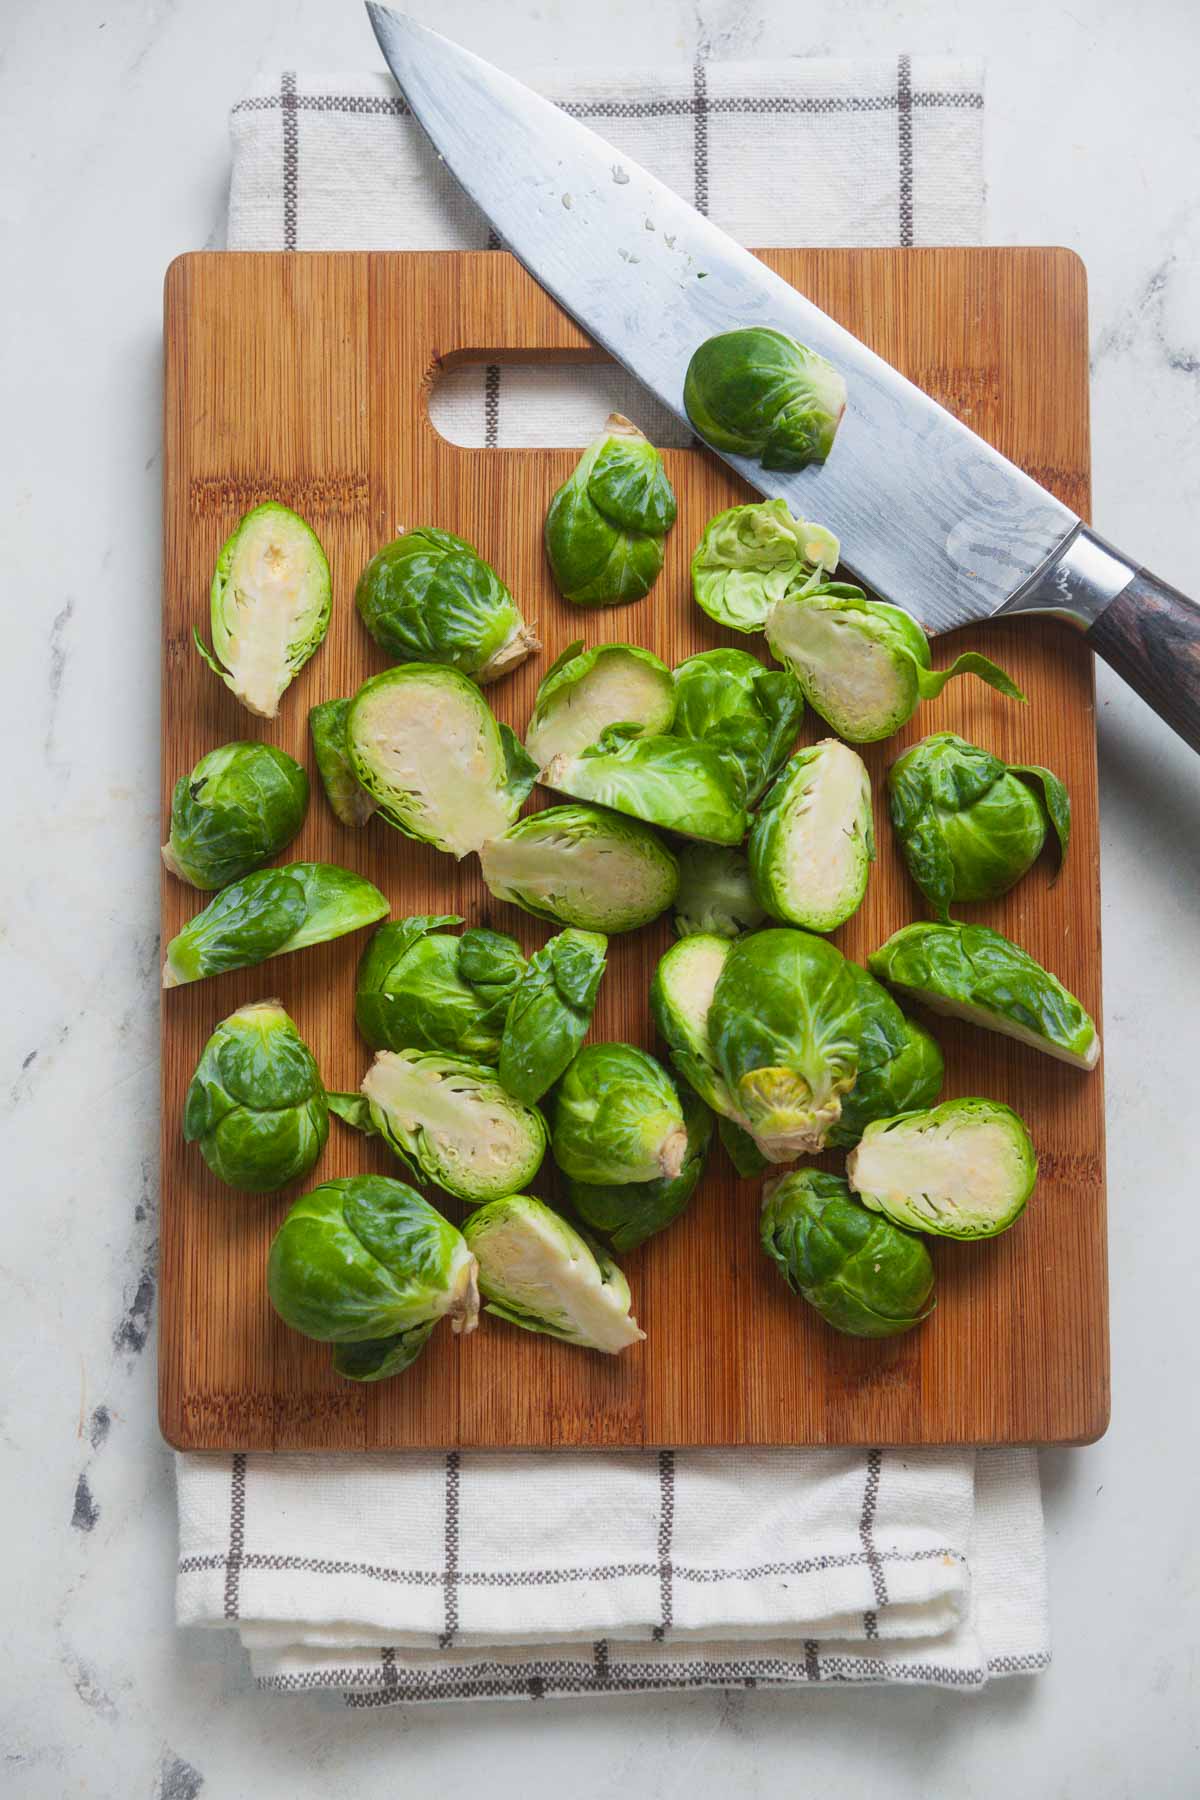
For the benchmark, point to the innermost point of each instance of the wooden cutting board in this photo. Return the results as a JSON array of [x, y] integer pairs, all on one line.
[[305, 379]]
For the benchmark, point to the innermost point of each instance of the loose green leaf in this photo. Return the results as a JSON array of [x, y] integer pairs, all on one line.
[[551, 1012], [271, 913], [676, 783], [728, 700]]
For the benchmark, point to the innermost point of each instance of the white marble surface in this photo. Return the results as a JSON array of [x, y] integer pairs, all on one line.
[[112, 159]]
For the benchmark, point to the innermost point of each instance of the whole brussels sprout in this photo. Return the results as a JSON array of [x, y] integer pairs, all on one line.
[[424, 743], [271, 913], [970, 825], [757, 392], [449, 1121], [421, 989], [715, 893], [606, 525], [351, 804], [551, 1012], [586, 691], [367, 1265], [617, 1118], [750, 556], [269, 606], [256, 1104], [973, 973], [909, 1079], [627, 1213], [239, 807], [863, 1274], [429, 597], [813, 840], [862, 664], [727, 699], [580, 866], [964, 1169], [677, 783], [681, 994], [538, 1272]]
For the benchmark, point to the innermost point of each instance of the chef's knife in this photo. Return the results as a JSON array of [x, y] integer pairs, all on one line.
[[930, 517]]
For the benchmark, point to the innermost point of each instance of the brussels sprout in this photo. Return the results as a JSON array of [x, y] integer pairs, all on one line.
[[973, 973], [580, 866], [617, 1118], [256, 1104], [271, 913], [964, 1169], [537, 1272], [448, 1120], [864, 665], [606, 525], [757, 392], [751, 556], [586, 691], [237, 809], [863, 1274], [681, 994], [269, 606], [791, 1028], [911, 1078], [676, 783], [627, 1213], [715, 892], [430, 598], [551, 1012], [350, 802], [367, 1265], [813, 841], [423, 741], [970, 825], [420, 989], [727, 699]]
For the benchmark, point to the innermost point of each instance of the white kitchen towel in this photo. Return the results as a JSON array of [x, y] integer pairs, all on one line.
[[473, 1575]]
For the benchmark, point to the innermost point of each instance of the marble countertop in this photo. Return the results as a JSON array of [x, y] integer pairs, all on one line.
[[112, 159]]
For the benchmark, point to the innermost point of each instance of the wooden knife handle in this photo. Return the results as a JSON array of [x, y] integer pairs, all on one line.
[[1150, 635]]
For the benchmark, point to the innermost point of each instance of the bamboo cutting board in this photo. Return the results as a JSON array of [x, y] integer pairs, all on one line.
[[304, 379]]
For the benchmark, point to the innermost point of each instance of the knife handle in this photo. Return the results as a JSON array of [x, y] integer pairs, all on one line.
[[1150, 635]]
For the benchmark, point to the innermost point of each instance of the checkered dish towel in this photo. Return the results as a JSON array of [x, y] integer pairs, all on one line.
[[482, 1575]]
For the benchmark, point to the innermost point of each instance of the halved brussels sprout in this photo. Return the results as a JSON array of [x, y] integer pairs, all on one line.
[[716, 893], [864, 665], [757, 392], [726, 698], [813, 840], [627, 1213], [351, 803], [537, 1272], [551, 1012], [970, 825], [449, 1121], [864, 1275], [256, 1104], [750, 556], [271, 913], [964, 1169], [973, 973], [580, 866], [423, 741], [606, 525], [430, 597], [367, 1265], [792, 1026], [675, 783], [681, 994], [269, 607], [237, 809], [421, 989], [586, 691], [617, 1118], [909, 1079]]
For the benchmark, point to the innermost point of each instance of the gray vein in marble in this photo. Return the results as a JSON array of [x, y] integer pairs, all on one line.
[[1143, 325], [58, 665], [177, 1780], [85, 1514]]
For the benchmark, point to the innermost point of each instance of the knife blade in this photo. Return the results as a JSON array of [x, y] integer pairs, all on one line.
[[929, 515]]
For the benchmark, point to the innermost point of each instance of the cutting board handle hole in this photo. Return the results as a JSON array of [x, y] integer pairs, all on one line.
[[542, 400]]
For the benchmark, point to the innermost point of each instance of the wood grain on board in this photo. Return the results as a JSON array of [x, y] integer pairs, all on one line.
[[304, 378]]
